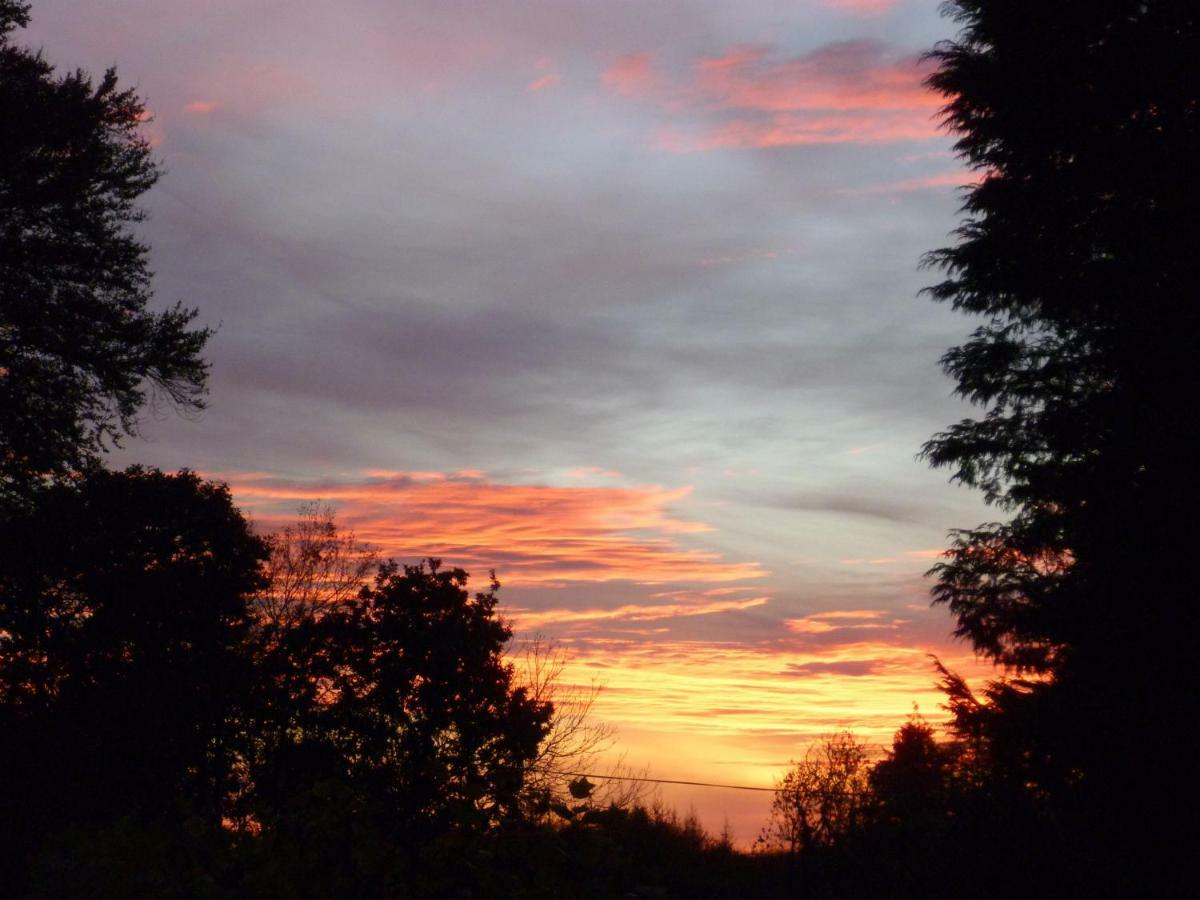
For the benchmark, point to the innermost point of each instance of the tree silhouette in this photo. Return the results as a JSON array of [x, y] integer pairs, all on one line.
[[406, 711], [313, 566], [821, 799], [908, 785], [79, 349], [125, 601], [1082, 120], [574, 739]]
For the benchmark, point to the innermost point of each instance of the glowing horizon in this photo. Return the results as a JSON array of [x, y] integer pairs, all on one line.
[[738, 711]]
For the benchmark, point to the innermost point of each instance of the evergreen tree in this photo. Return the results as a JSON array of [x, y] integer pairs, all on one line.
[[80, 351], [1082, 120]]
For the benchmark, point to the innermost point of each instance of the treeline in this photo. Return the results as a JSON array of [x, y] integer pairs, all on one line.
[[931, 818], [188, 709]]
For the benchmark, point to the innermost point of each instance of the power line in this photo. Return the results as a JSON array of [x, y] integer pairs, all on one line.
[[708, 784]]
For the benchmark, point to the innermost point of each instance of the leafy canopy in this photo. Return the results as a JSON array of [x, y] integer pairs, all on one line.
[[125, 603]]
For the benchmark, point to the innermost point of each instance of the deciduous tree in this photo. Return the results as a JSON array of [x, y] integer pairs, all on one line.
[[408, 707], [313, 566], [822, 798]]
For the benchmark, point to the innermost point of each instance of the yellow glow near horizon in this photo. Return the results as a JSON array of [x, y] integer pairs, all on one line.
[[731, 714], [715, 707]]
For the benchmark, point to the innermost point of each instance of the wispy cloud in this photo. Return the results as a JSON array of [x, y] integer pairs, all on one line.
[[542, 82], [847, 92], [774, 690], [862, 7], [531, 534], [849, 75], [845, 620], [631, 75], [940, 180], [531, 620], [790, 130], [907, 557]]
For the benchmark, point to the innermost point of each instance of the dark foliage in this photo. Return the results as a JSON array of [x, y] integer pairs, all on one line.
[[908, 785], [1083, 121], [821, 801], [125, 602], [160, 736], [79, 349], [396, 705]]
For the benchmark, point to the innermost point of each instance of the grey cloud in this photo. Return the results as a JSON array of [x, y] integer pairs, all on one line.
[[854, 668]]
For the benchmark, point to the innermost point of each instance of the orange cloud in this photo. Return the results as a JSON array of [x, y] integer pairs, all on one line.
[[200, 106], [847, 620], [780, 691], [584, 472], [909, 556], [732, 712], [530, 620], [531, 534]]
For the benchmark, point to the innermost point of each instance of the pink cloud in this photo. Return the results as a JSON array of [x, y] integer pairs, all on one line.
[[787, 130], [200, 107], [909, 556], [848, 92], [630, 75], [852, 75], [954, 179], [585, 472], [540, 84], [862, 7]]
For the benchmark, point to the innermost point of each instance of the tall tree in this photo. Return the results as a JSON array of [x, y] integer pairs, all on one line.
[[1082, 120], [80, 351]]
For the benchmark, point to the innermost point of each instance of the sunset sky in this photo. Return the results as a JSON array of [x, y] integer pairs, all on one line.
[[618, 298]]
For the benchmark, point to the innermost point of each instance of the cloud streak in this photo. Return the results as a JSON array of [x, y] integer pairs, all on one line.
[[862, 7], [530, 620], [848, 92], [531, 534], [782, 692]]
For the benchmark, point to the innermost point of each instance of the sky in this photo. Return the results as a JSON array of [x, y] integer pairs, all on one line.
[[619, 299]]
